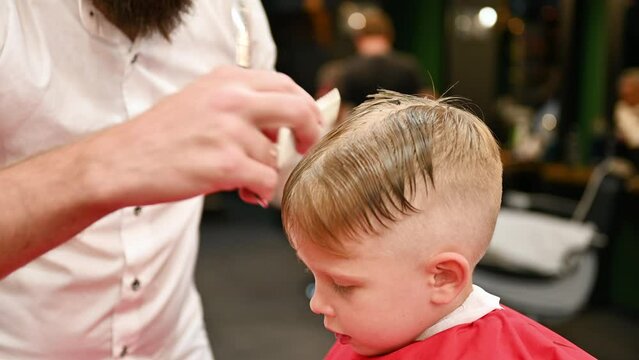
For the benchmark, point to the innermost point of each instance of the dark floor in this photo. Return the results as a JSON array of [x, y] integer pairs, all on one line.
[[252, 289]]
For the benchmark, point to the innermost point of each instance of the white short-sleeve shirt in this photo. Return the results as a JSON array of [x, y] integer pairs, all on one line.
[[124, 286]]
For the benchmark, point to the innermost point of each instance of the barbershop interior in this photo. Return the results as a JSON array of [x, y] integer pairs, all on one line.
[[550, 79]]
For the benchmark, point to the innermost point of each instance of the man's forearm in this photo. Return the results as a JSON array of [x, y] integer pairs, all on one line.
[[44, 201]]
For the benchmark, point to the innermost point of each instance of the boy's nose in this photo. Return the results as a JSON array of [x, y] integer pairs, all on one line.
[[319, 305]]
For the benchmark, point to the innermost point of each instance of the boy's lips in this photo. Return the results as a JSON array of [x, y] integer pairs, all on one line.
[[343, 339]]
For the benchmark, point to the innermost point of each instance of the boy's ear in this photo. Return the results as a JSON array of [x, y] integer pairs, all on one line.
[[448, 275]]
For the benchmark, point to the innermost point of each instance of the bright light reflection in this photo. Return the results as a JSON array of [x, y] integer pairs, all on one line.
[[549, 122], [487, 17], [357, 21]]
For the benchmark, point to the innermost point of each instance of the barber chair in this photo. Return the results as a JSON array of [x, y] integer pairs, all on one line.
[[546, 266]]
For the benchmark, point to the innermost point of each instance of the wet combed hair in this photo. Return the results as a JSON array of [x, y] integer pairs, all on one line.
[[365, 174]]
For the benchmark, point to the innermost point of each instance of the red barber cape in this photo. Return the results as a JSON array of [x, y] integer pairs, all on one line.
[[501, 334]]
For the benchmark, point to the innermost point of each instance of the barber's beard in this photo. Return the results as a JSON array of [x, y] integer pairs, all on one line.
[[145, 17]]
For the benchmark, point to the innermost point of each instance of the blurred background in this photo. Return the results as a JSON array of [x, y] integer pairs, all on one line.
[[557, 82]]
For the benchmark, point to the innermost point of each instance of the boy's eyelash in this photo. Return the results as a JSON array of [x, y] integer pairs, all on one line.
[[342, 289]]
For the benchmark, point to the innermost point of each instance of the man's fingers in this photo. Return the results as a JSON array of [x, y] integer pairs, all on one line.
[[256, 182], [274, 110], [271, 100], [256, 144], [252, 198], [262, 80], [271, 134]]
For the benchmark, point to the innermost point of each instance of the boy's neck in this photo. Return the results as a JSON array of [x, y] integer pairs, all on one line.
[[463, 295], [452, 316], [458, 301]]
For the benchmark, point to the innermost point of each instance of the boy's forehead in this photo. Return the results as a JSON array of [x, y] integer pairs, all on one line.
[[305, 249], [360, 247], [311, 254], [341, 248]]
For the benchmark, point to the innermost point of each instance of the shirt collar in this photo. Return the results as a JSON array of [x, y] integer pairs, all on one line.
[[476, 305]]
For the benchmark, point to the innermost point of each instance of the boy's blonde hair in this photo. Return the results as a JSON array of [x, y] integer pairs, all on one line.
[[365, 174]]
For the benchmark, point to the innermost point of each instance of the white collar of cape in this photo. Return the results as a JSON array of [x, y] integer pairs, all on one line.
[[476, 305]]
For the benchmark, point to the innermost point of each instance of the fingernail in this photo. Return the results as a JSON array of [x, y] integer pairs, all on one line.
[[263, 203]]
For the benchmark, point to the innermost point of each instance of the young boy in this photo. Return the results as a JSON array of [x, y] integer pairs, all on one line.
[[391, 212]]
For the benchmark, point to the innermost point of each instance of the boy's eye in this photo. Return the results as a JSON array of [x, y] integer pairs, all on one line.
[[343, 289]]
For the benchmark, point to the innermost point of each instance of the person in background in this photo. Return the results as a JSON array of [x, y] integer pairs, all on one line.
[[115, 116], [391, 212], [626, 116], [375, 65]]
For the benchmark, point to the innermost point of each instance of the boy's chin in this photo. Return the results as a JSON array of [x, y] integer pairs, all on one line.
[[366, 351]]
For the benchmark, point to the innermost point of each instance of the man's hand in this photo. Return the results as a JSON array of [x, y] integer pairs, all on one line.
[[217, 134]]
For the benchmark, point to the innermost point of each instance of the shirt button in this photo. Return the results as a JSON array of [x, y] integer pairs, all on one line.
[[125, 349], [134, 58], [137, 210], [135, 285]]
